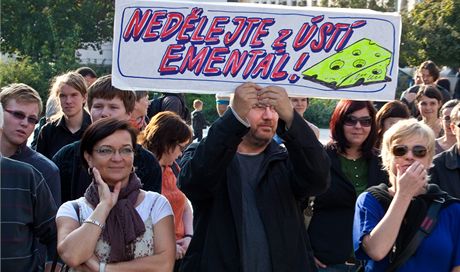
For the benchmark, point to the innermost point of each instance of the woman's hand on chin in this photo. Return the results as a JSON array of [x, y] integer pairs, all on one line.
[[105, 195]]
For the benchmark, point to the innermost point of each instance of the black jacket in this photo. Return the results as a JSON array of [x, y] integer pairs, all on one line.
[[210, 180], [446, 171], [331, 227], [55, 135]]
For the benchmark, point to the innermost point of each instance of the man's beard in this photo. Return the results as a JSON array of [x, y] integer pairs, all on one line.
[[253, 139]]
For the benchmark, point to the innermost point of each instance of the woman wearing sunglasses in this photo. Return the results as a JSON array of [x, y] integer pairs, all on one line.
[[166, 136], [387, 218], [355, 167], [116, 226]]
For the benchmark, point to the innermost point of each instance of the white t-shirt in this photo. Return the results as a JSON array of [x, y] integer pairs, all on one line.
[[160, 209]]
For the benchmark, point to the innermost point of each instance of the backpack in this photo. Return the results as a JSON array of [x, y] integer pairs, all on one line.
[[157, 103]]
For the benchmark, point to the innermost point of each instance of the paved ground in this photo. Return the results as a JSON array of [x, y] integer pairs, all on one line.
[[324, 135]]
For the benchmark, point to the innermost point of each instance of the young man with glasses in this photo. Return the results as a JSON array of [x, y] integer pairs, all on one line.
[[22, 106], [446, 169], [105, 101]]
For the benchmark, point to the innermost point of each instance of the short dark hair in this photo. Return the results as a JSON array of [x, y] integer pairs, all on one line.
[[431, 67], [444, 83], [86, 71], [102, 88], [164, 132], [392, 109], [341, 112], [101, 129], [429, 91], [449, 104]]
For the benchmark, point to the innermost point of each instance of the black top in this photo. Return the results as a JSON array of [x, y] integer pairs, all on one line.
[[446, 171], [54, 135], [331, 226], [47, 168]]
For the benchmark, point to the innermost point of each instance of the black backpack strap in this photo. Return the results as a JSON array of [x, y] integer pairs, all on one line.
[[428, 224]]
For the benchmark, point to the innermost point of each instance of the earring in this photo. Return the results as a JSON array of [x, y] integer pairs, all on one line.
[[90, 171]]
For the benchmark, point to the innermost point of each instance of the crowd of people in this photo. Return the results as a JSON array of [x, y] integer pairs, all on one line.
[[114, 181]]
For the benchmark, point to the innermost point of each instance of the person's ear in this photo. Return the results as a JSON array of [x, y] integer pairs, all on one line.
[[88, 158]]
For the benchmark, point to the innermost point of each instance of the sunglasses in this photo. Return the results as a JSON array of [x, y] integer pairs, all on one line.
[[446, 118], [21, 116], [352, 121], [418, 151]]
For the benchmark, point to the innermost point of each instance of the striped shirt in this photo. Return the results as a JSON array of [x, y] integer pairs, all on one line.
[[27, 213]]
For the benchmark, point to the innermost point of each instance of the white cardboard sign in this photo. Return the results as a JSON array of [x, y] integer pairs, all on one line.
[[214, 47]]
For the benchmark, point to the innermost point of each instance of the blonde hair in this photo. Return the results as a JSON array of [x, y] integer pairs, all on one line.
[[454, 114], [402, 130], [197, 103], [72, 79], [22, 93]]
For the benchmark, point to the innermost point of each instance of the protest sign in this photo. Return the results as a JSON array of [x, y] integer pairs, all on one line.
[[214, 47]]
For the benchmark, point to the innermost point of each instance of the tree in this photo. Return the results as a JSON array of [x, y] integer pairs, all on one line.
[[49, 31], [431, 31]]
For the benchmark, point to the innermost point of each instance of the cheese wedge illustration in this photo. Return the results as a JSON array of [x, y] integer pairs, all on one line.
[[362, 63]]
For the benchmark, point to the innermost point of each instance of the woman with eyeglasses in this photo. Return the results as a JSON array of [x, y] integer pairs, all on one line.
[[448, 139], [355, 166], [428, 101], [116, 226], [388, 218], [167, 136]]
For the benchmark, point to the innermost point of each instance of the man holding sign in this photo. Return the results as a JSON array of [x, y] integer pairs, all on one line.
[[245, 188]]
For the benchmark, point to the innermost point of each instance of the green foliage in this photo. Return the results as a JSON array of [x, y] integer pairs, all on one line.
[[320, 110], [209, 105], [24, 71], [49, 31], [431, 31]]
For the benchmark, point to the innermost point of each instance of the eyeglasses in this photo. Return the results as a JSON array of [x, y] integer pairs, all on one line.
[[418, 151], [446, 118], [108, 151], [21, 116], [352, 121]]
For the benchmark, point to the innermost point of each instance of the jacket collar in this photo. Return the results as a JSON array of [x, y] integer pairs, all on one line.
[[452, 158]]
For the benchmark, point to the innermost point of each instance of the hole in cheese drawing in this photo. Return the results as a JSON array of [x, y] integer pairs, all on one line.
[[361, 63]]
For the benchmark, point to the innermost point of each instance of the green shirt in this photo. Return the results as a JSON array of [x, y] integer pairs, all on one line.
[[356, 171]]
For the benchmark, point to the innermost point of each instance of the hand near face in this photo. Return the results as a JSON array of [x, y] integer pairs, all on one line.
[[245, 98], [105, 195], [413, 181], [278, 98]]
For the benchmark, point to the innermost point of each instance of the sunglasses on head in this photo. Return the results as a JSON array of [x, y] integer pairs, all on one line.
[[21, 116], [364, 121], [418, 151]]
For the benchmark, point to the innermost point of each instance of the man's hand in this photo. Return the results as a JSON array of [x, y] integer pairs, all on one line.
[[278, 98], [245, 98]]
